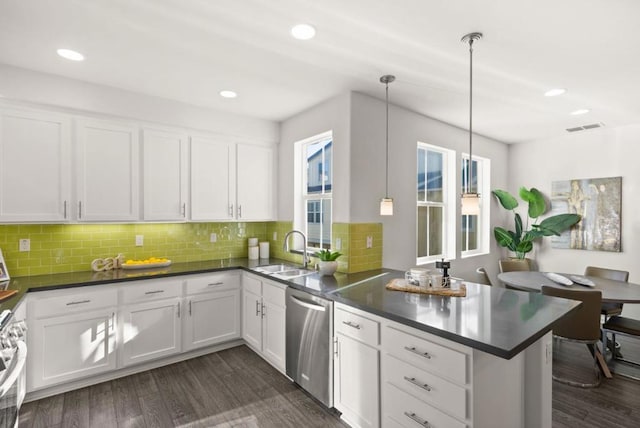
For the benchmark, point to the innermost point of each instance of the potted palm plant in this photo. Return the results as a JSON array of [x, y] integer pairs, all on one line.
[[521, 239], [327, 264]]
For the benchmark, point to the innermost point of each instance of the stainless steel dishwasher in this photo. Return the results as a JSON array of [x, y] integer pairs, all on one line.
[[310, 343]]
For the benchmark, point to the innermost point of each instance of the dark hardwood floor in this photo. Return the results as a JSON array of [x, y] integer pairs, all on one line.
[[231, 388], [236, 388]]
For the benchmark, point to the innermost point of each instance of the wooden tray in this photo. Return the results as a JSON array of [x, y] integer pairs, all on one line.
[[5, 294], [400, 284]]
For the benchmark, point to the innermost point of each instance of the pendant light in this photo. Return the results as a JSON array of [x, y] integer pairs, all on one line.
[[470, 199], [386, 204]]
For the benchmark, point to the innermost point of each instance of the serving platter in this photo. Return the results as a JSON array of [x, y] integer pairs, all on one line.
[[558, 279]]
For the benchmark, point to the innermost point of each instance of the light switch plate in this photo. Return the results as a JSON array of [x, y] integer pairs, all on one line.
[[369, 241], [338, 244], [213, 237], [25, 245], [139, 240]]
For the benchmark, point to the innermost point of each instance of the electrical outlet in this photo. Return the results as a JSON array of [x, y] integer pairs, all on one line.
[[139, 240], [25, 245], [275, 236], [338, 244], [213, 237], [369, 241]]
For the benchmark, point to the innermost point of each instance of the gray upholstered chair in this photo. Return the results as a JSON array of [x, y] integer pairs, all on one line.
[[581, 326], [514, 265], [483, 276], [608, 309], [624, 326]]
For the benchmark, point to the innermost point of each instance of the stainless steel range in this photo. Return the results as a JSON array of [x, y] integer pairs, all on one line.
[[310, 343]]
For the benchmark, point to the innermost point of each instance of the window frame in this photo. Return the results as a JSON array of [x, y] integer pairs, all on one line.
[[483, 188], [448, 204]]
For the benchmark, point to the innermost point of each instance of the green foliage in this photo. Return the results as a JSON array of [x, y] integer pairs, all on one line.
[[327, 255], [520, 240]]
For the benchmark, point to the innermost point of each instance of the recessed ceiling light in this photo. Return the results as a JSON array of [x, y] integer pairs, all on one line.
[[580, 111], [303, 32], [555, 92], [228, 94], [70, 55]]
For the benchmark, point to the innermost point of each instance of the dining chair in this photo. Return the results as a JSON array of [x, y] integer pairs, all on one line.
[[581, 326], [483, 276], [624, 326], [608, 309], [515, 265]]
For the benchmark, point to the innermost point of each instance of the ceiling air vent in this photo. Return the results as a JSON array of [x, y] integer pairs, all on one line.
[[586, 127]]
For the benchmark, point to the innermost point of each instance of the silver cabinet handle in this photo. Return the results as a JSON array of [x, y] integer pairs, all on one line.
[[189, 307], [335, 347], [184, 209], [263, 311], [415, 351], [65, 209], [239, 211], [113, 320], [78, 302], [231, 210], [413, 380], [418, 419], [352, 324], [178, 309], [154, 292], [79, 209], [257, 307], [215, 284]]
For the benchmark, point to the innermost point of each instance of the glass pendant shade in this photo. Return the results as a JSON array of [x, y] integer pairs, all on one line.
[[386, 206], [470, 204]]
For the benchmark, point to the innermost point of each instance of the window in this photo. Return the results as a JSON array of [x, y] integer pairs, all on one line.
[[436, 237], [475, 231], [313, 205]]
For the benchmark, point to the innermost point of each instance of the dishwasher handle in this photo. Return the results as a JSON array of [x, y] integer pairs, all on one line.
[[307, 304]]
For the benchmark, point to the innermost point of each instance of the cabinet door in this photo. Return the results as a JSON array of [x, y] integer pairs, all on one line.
[[212, 318], [107, 171], [273, 334], [165, 175], [255, 182], [66, 348], [356, 382], [150, 330], [34, 166], [251, 319], [212, 188]]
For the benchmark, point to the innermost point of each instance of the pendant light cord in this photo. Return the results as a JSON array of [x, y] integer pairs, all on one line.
[[386, 191], [470, 161]]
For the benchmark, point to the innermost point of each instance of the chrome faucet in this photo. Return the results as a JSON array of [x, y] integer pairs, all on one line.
[[305, 258]]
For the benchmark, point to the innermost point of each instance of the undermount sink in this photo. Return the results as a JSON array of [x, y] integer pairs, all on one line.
[[294, 273], [274, 268]]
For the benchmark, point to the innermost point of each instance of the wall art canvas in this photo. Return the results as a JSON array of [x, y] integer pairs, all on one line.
[[599, 202]]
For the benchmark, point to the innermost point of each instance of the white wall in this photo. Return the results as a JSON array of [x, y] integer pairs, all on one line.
[[606, 152], [47, 89], [406, 128], [331, 115]]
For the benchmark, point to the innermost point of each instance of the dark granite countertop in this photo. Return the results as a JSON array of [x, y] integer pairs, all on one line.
[[495, 320]]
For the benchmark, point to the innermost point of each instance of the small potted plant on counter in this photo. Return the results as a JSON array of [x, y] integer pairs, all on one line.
[[328, 264]]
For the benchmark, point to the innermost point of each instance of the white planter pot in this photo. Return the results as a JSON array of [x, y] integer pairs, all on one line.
[[327, 268]]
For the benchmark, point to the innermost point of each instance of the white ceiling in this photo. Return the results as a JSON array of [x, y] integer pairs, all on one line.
[[189, 50]]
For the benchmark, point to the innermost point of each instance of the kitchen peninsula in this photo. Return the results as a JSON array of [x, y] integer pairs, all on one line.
[[491, 348]]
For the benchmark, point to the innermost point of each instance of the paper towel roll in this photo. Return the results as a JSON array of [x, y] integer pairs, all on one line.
[[254, 252], [264, 250], [253, 242]]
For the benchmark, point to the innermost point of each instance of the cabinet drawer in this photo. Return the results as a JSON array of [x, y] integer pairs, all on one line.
[[252, 284], [430, 388], [426, 355], [357, 327], [151, 289], [213, 282], [407, 411], [80, 300]]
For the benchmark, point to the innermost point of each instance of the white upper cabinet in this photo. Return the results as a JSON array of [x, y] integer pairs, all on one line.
[[35, 178], [165, 177], [255, 182], [212, 179], [107, 171]]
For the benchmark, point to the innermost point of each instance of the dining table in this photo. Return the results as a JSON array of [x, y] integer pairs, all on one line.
[[612, 291]]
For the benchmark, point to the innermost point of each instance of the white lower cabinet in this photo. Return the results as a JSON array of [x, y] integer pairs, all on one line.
[[70, 336], [356, 367], [263, 318], [212, 310]]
